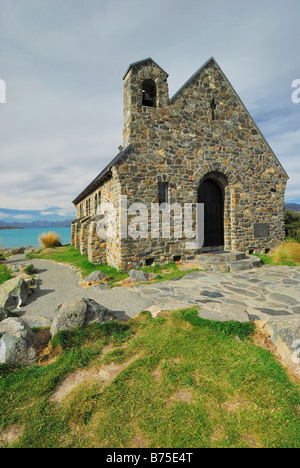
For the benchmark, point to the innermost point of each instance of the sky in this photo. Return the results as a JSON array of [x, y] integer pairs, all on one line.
[[63, 63]]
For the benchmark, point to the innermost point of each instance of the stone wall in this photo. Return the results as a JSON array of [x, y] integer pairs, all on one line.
[[179, 142]]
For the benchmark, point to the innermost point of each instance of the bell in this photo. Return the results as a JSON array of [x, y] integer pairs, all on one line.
[[147, 99]]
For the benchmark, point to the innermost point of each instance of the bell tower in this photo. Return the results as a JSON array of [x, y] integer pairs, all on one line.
[[145, 92]]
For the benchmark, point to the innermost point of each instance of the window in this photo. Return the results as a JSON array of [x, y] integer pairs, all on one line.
[[149, 93], [162, 192]]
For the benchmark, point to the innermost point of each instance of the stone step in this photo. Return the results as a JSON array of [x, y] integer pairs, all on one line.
[[245, 264], [226, 261], [219, 257]]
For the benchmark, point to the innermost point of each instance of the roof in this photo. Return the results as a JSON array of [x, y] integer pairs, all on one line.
[[257, 128], [100, 177], [149, 59], [107, 171], [191, 78]]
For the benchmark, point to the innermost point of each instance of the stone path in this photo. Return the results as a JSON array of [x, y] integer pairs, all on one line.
[[262, 293], [265, 292], [60, 283]]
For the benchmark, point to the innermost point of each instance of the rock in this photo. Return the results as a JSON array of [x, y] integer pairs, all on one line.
[[2, 258], [212, 294], [28, 268], [13, 293], [284, 332], [48, 251], [95, 277], [18, 251], [78, 314], [224, 312], [31, 281], [3, 314], [14, 268], [137, 275], [17, 342], [151, 276]]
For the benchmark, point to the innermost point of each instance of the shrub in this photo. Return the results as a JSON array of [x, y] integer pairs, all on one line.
[[287, 253], [50, 239], [292, 224]]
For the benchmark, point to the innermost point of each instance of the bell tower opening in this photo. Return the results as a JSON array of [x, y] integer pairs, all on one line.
[[149, 93]]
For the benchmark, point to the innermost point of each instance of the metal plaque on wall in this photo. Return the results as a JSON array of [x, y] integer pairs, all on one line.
[[261, 230]]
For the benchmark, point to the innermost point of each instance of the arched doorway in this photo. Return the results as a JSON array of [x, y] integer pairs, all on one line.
[[211, 194]]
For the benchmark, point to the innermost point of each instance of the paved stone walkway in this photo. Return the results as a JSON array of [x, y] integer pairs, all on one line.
[[262, 293]]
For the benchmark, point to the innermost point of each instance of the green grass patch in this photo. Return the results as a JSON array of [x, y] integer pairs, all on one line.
[[242, 330], [4, 274], [68, 254], [189, 383]]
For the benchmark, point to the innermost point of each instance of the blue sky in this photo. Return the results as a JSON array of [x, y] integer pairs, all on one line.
[[63, 63]]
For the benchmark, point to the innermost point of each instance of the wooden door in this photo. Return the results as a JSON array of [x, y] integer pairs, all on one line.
[[211, 194]]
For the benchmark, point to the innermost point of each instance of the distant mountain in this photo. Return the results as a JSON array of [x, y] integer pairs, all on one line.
[[40, 224], [292, 207]]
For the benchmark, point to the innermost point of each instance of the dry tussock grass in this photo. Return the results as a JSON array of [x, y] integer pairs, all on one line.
[[50, 239], [289, 252]]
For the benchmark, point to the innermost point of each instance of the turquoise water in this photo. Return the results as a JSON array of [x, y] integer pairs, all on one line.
[[13, 238]]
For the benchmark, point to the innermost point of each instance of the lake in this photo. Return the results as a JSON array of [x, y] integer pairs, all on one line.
[[13, 238]]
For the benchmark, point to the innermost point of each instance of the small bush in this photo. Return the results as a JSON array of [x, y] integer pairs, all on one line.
[[287, 253], [50, 239]]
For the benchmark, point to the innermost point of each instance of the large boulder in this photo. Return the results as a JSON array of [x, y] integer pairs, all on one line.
[[78, 314], [17, 342], [13, 293]]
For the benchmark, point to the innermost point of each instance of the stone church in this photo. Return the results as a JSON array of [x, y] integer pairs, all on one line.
[[199, 147]]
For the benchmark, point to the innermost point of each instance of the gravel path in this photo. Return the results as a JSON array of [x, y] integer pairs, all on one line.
[[61, 283], [261, 293]]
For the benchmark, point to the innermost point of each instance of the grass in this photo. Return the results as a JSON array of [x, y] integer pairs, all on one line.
[[4, 274], [69, 254], [50, 239], [287, 254], [190, 384]]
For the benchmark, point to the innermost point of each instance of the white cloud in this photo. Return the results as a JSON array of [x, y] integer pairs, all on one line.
[[63, 63]]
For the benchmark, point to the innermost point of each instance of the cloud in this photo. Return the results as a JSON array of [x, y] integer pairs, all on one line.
[[63, 63]]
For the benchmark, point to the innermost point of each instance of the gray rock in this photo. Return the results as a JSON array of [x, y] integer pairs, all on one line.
[[14, 268], [284, 299], [13, 293], [211, 294], [284, 333], [138, 275], [151, 276], [17, 342], [3, 314], [95, 277], [78, 314], [224, 313], [28, 268]]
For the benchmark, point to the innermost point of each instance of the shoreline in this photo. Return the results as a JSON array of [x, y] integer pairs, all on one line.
[[10, 228]]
